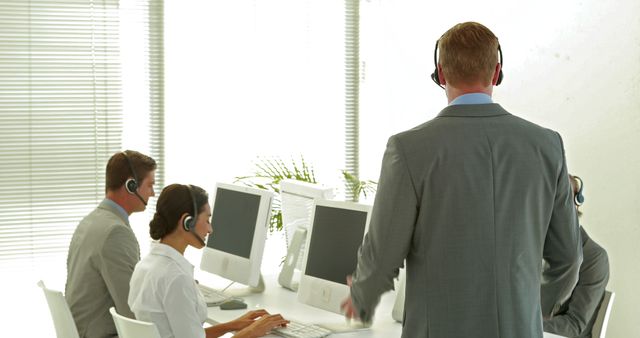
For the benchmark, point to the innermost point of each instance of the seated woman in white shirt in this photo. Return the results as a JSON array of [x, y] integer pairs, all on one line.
[[163, 289]]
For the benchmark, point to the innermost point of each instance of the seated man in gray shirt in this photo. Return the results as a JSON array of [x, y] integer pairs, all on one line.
[[104, 250], [576, 316]]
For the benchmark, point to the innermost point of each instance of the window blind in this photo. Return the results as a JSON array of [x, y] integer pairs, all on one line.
[[61, 117], [352, 91]]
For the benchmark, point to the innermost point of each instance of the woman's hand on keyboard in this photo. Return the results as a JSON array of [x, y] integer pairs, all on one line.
[[247, 319], [258, 323]]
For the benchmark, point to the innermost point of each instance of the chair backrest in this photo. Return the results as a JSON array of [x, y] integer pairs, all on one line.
[[131, 328], [599, 329], [60, 313]]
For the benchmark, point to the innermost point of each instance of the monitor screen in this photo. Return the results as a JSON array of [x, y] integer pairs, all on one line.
[[333, 247], [336, 233], [233, 221], [240, 218]]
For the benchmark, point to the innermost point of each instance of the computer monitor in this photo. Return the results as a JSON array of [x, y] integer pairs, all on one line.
[[334, 238], [240, 219], [297, 203], [297, 206]]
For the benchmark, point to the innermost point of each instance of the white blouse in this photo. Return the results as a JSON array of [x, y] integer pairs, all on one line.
[[163, 291]]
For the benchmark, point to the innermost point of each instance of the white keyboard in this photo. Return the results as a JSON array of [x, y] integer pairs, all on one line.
[[301, 330], [213, 297]]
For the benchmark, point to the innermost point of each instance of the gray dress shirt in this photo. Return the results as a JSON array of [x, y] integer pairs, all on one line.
[[102, 255], [473, 200], [577, 315]]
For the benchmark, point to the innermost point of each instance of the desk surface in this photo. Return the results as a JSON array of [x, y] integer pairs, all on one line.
[[277, 299]]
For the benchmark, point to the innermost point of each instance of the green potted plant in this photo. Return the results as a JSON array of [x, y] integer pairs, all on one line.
[[270, 172]]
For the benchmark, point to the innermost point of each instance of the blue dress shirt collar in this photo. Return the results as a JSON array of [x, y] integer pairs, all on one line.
[[118, 208], [472, 98]]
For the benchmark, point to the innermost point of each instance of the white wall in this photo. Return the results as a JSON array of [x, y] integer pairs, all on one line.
[[251, 78], [248, 79], [572, 66]]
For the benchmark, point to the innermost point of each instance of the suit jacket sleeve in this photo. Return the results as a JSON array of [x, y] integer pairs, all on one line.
[[390, 231], [562, 247], [120, 254]]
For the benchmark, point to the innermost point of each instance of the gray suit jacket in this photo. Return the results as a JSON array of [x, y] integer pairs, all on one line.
[[577, 315], [102, 255], [472, 200]]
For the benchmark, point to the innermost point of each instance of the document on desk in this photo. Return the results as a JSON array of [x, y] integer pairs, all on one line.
[[347, 326]]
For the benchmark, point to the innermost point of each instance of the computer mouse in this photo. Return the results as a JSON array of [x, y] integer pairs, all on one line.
[[233, 304]]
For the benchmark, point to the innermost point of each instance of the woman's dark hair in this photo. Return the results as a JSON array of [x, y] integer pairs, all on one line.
[[174, 201]]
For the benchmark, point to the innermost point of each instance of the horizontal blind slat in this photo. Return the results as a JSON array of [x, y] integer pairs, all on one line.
[[60, 118]]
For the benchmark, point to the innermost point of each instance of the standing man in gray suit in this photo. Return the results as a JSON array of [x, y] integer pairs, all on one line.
[[104, 250], [473, 200]]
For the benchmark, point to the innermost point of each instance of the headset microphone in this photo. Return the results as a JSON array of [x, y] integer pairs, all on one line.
[[132, 184], [140, 197], [189, 222]]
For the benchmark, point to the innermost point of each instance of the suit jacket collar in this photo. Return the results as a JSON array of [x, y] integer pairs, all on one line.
[[473, 110], [112, 207]]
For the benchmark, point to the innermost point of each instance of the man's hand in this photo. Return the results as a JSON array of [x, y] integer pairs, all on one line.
[[347, 306]]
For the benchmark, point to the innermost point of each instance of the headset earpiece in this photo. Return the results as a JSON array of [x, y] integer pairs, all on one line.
[[187, 223], [501, 74], [434, 75], [499, 78], [131, 185], [579, 197]]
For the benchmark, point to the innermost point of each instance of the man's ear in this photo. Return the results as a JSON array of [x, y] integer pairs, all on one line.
[[496, 74], [441, 78]]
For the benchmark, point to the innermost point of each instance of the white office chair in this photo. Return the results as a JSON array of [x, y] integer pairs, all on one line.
[[60, 313], [131, 328], [599, 329]]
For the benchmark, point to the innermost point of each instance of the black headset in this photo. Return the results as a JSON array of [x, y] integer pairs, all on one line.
[[436, 79], [189, 222], [132, 184], [579, 197]]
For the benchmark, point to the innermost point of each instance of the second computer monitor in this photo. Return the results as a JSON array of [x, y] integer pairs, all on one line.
[[297, 203], [240, 218], [334, 238]]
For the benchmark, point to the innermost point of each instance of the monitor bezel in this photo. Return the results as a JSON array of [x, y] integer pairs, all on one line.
[[236, 268], [322, 293]]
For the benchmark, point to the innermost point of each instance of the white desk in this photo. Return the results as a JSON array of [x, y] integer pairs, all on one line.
[[276, 299]]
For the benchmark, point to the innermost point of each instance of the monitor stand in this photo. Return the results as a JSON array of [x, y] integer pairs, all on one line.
[[246, 291], [285, 278], [259, 288]]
